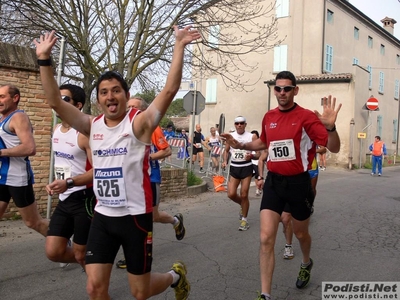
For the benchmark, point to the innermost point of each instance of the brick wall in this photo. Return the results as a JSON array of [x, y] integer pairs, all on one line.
[[18, 67], [174, 183]]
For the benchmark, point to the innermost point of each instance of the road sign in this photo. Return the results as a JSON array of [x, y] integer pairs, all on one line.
[[372, 103], [361, 135], [188, 101]]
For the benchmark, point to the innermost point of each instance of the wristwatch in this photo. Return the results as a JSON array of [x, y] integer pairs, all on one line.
[[260, 178], [70, 183]]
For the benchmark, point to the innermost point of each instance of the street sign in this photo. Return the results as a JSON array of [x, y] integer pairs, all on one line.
[[188, 101], [361, 135], [372, 103]]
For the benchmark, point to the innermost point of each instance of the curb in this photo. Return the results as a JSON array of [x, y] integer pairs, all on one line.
[[197, 189]]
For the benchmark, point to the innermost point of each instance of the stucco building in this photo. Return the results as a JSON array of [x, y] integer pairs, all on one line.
[[334, 49]]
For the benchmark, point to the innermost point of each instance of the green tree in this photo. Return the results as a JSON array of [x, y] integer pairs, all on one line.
[[176, 109], [134, 37]]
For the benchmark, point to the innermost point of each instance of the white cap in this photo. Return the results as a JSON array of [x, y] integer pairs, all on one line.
[[240, 119]]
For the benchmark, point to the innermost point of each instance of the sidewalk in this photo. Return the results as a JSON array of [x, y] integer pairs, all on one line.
[[355, 230]]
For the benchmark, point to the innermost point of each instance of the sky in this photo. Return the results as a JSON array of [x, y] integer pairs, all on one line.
[[379, 9]]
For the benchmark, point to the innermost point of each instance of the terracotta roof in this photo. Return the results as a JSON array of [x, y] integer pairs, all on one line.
[[180, 122]]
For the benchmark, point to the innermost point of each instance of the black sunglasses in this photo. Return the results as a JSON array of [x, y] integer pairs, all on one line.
[[239, 123], [66, 98], [286, 88]]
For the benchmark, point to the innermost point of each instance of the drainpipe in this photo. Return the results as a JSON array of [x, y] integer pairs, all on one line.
[[323, 38], [351, 150]]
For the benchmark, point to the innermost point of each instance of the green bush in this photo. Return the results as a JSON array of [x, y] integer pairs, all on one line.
[[192, 179]]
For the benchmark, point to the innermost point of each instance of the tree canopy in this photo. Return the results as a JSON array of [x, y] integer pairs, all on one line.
[[135, 37]]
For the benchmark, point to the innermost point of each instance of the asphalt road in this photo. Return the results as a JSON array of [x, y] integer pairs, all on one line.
[[355, 230]]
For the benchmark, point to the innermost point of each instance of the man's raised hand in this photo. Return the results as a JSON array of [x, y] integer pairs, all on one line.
[[45, 44]]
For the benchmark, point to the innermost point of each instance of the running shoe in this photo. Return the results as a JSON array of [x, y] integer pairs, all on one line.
[[379, 174], [304, 275], [288, 252], [121, 264], [258, 192], [182, 287], [179, 228], [202, 171], [244, 225], [262, 297]]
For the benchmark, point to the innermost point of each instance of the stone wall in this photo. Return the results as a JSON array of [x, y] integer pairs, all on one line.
[[18, 67], [174, 183]]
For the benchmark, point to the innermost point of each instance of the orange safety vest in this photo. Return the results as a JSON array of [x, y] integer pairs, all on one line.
[[377, 148]]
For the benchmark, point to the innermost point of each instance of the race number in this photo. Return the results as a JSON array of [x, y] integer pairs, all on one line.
[[62, 172], [109, 187], [238, 155], [281, 150]]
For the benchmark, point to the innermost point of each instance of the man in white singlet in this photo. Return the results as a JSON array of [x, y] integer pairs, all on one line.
[[240, 171], [120, 141], [74, 185]]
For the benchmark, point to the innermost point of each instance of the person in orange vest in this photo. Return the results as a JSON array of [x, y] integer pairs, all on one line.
[[378, 150]]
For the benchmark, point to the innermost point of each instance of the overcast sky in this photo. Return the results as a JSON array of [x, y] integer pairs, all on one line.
[[379, 9]]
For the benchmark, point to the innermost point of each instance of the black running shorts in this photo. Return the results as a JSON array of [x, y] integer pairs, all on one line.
[[22, 196], [133, 233], [294, 191], [241, 172], [73, 216]]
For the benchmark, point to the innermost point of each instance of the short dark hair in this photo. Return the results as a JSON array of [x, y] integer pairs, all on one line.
[[78, 93], [378, 137], [13, 90], [108, 75], [286, 75], [256, 133]]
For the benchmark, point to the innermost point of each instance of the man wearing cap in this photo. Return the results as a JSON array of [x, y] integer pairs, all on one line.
[[240, 171]]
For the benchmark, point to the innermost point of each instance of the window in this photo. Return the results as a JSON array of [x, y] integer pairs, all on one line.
[[379, 125], [213, 38], [355, 61], [370, 42], [329, 16], [381, 82], [329, 59], [282, 8], [398, 59], [394, 138], [369, 68], [356, 33], [396, 89], [211, 90], [382, 49], [280, 58]]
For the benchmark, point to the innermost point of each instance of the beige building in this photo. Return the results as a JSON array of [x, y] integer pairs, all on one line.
[[333, 49]]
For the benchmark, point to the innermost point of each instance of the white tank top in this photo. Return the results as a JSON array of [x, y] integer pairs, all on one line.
[[69, 159], [14, 171], [121, 168], [237, 155]]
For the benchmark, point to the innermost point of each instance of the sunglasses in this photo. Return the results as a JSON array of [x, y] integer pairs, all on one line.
[[66, 98], [286, 88], [239, 123]]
